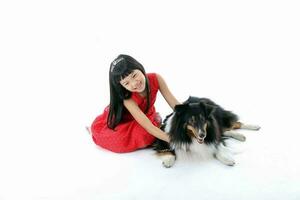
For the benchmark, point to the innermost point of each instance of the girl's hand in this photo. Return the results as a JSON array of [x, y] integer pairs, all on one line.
[[143, 120]]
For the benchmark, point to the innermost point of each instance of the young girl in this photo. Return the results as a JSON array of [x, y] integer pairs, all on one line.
[[130, 122]]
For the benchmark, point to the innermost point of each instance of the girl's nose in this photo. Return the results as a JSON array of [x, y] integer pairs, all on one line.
[[135, 84]]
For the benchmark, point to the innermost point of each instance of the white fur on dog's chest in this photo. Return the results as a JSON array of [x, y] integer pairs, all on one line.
[[202, 151]]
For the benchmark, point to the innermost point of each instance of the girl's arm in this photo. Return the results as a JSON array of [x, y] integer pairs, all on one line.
[[166, 93], [143, 120]]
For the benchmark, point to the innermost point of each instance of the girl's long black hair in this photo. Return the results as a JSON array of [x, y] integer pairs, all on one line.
[[121, 67]]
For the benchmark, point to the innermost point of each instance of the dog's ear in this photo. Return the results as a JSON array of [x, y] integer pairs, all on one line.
[[188, 100], [202, 106], [180, 108], [208, 109]]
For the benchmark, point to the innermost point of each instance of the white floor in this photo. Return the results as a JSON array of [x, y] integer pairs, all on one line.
[[53, 80], [63, 163]]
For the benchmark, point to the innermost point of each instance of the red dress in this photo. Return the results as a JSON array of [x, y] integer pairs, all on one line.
[[128, 135]]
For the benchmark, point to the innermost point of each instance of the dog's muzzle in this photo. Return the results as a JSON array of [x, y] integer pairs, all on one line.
[[200, 138]]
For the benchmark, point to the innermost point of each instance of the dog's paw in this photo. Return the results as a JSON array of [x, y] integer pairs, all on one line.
[[240, 137], [230, 162], [168, 161], [250, 127], [255, 127], [225, 160]]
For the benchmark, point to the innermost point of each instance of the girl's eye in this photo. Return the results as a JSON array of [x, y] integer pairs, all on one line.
[[126, 84], [133, 75]]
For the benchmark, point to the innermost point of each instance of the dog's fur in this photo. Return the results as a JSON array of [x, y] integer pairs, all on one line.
[[198, 123]]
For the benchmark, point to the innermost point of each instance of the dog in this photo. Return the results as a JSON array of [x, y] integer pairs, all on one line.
[[198, 124]]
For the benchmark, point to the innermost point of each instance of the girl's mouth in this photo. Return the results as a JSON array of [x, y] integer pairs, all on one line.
[[139, 86]]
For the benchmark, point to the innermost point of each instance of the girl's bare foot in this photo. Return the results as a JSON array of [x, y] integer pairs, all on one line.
[[88, 130]]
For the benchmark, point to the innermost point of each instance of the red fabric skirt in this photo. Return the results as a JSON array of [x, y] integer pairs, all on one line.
[[127, 137]]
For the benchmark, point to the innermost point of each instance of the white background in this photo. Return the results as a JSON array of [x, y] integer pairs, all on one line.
[[54, 60]]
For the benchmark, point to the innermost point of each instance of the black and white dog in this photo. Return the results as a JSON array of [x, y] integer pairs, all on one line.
[[199, 123]]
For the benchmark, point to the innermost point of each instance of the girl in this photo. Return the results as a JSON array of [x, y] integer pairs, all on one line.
[[130, 122]]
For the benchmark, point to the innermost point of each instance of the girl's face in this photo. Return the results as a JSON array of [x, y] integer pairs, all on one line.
[[134, 82]]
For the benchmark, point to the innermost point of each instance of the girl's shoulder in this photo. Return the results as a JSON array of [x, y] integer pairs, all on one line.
[[151, 75], [153, 79]]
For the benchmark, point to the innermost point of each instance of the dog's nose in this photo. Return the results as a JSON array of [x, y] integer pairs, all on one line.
[[202, 135]]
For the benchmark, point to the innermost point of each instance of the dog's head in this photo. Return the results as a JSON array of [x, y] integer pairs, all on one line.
[[190, 121]]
